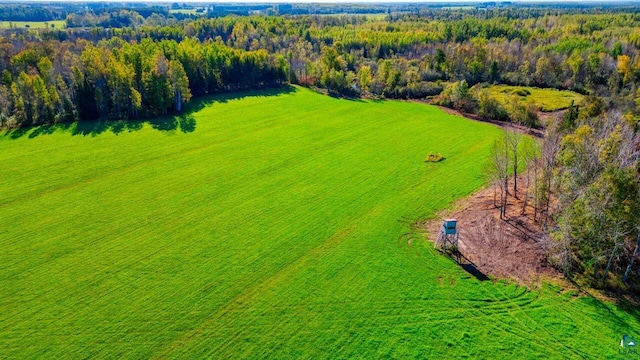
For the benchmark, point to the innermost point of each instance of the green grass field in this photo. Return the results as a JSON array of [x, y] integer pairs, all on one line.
[[58, 24], [369, 16], [263, 226], [186, 11], [544, 99]]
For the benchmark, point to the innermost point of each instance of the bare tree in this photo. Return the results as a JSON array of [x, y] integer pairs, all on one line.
[[559, 247], [499, 172], [530, 153], [550, 148], [5, 105], [618, 237], [633, 258], [512, 141], [536, 186], [636, 155]]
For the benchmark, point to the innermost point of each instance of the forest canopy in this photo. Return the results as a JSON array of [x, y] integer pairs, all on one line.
[[132, 65]]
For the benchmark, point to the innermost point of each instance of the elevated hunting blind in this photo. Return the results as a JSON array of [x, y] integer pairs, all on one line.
[[449, 226], [448, 235]]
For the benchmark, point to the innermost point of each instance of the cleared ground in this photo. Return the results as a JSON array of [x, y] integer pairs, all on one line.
[[544, 99], [272, 224]]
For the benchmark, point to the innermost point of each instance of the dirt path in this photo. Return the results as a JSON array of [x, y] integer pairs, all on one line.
[[545, 117], [503, 124], [513, 248]]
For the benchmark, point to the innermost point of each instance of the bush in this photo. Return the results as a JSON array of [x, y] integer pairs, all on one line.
[[431, 157], [419, 90], [490, 108], [523, 113], [459, 96]]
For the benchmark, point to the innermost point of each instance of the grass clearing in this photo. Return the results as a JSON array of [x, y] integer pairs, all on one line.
[[461, 7], [369, 16], [188, 11], [274, 227], [58, 24], [545, 99]]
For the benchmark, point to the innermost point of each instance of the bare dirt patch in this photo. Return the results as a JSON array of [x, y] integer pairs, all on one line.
[[512, 248]]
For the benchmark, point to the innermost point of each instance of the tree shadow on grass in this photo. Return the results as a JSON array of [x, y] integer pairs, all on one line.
[[467, 265], [184, 122], [349, 97], [627, 303]]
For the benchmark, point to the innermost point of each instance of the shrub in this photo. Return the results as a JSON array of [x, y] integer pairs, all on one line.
[[431, 157], [490, 108], [523, 113], [458, 96]]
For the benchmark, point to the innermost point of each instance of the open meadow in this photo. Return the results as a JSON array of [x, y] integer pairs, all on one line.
[[57, 24], [273, 224], [187, 11], [544, 99]]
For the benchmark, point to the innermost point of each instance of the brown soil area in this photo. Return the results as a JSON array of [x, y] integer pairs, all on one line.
[[511, 248]]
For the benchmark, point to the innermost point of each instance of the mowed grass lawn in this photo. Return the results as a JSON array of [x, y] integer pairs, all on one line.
[[277, 228], [544, 99]]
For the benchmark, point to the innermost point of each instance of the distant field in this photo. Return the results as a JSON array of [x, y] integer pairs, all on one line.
[[370, 17], [545, 99], [58, 24], [186, 11], [263, 225], [463, 7]]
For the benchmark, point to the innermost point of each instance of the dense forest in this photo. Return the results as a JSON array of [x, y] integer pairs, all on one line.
[[123, 64], [52, 81], [403, 55]]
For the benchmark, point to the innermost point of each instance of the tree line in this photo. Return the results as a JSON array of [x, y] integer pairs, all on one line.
[[410, 55], [583, 182], [405, 55], [592, 172], [50, 82]]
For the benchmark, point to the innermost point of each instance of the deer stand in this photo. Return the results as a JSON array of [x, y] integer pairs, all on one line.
[[447, 240]]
